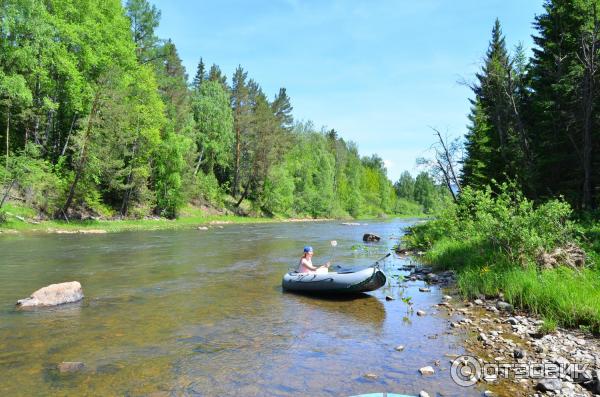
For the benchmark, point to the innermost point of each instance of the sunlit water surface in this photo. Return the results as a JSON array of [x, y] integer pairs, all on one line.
[[202, 313]]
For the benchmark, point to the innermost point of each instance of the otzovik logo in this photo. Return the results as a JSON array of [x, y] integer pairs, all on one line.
[[467, 370]]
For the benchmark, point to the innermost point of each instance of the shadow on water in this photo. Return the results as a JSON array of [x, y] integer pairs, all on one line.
[[359, 306]]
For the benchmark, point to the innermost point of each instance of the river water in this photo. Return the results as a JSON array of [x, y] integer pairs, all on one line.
[[202, 313]]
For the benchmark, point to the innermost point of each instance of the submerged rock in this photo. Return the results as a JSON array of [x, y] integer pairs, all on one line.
[[70, 366], [54, 294]]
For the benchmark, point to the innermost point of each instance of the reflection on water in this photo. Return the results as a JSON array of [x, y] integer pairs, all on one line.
[[202, 313]]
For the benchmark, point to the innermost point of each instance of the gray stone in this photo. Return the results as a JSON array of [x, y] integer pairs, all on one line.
[[504, 306], [549, 385], [421, 313], [399, 348], [423, 394], [427, 370], [519, 353], [424, 289], [431, 278], [371, 376], [478, 302], [54, 294]]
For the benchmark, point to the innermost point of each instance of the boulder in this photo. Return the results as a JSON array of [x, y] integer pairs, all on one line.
[[369, 237], [54, 294]]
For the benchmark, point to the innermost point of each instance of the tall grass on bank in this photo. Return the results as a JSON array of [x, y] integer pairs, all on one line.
[[493, 241]]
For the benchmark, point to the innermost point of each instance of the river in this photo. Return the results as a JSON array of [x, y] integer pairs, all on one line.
[[202, 313]]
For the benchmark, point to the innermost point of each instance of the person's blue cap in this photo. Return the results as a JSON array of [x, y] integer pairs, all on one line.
[[308, 248]]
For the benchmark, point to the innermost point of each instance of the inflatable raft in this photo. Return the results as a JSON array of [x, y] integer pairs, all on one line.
[[340, 282]]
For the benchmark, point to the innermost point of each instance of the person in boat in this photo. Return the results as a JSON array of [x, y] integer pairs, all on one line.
[[306, 265]]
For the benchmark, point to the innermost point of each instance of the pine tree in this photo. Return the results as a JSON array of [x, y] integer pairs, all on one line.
[[215, 74], [497, 142], [564, 128], [200, 75], [283, 109], [240, 104]]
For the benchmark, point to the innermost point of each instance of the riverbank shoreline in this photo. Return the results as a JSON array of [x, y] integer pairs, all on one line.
[[115, 226], [200, 222], [496, 335]]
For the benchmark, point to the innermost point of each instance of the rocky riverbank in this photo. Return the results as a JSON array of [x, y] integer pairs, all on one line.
[[496, 334]]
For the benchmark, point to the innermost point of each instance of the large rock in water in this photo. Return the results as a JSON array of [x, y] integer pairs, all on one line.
[[54, 294], [371, 237]]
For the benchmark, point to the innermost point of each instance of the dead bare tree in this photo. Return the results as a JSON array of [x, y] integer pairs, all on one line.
[[445, 161]]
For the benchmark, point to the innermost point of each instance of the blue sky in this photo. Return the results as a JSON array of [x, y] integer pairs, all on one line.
[[379, 72]]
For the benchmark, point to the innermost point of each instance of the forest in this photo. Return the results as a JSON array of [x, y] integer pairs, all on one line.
[[98, 119], [525, 220]]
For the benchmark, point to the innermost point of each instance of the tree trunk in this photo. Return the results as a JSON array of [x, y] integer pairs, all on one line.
[[589, 46], [7, 192], [447, 180], [83, 158], [125, 204], [236, 174], [244, 195], [7, 133], [64, 149], [448, 159], [587, 141], [199, 161]]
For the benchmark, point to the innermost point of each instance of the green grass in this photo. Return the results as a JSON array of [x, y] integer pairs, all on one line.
[[191, 217], [560, 296]]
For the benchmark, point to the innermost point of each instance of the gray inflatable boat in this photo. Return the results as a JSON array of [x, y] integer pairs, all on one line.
[[340, 282]]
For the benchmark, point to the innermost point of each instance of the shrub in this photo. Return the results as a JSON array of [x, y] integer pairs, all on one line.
[[506, 224]]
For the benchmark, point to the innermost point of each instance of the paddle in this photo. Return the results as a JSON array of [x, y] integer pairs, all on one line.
[[380, 259], [333, 244]]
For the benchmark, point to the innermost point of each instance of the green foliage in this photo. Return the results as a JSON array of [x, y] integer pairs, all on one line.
[[208, 188], [493, 240], [423, 191], [118, 131], [214, 125], [37, 184], [170, 165], [507, 225]]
